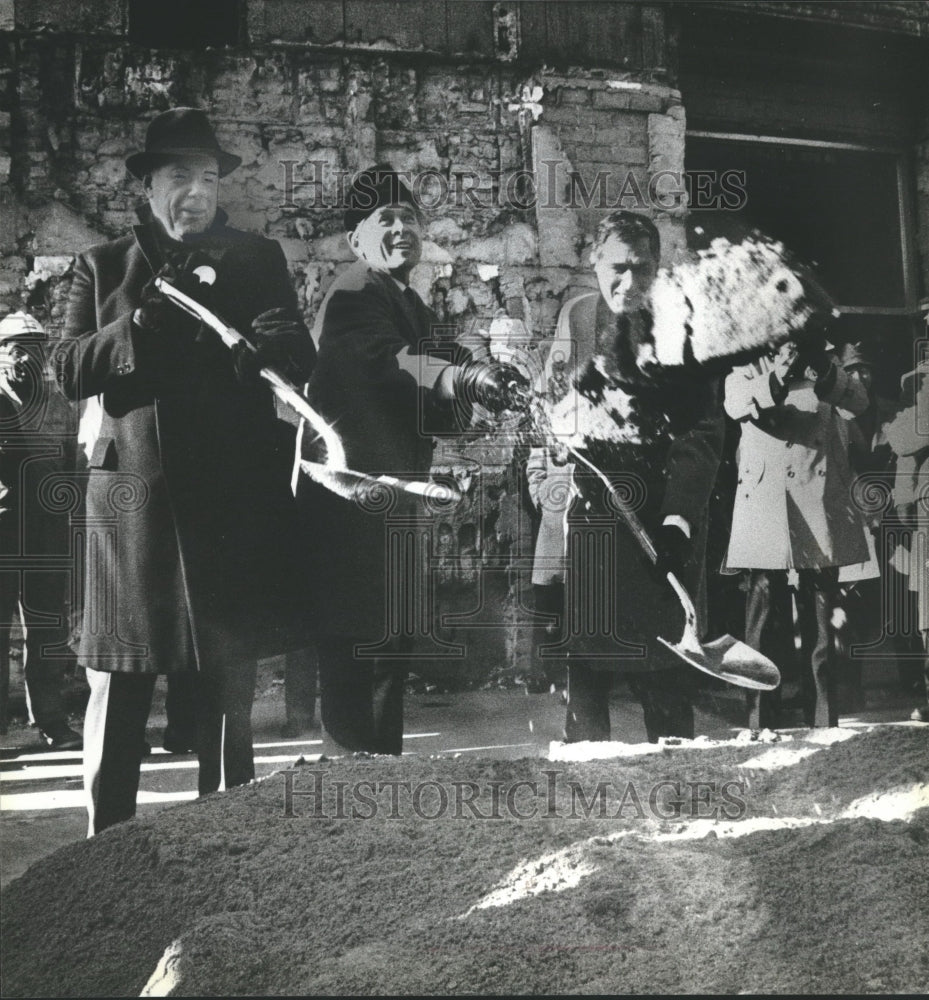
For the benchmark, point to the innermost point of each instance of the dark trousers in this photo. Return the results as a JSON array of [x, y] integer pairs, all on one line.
[[181, 706], [114, 732], [43, 595], [666, 697], [301, 673], [769, 629], [549, 600], [361, 699], [224, 725]]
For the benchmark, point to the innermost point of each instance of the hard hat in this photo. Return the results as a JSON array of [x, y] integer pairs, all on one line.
[[21, 324]]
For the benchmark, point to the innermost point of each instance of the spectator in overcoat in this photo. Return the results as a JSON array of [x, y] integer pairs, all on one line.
[[37, 454], [794, 510], [908, 436]]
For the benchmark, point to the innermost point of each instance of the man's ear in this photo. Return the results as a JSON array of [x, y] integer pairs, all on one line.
[[147, 185], [352, 239]]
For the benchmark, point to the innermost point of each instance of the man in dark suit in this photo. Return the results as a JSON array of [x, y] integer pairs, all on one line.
[[660, 441], [188, 467], [388, 383]]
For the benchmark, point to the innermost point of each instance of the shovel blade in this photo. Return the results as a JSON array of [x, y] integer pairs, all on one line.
[[729, 660]]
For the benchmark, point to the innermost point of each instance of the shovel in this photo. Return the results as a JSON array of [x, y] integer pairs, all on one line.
[[333, 475], [351, 485], [726, 658]]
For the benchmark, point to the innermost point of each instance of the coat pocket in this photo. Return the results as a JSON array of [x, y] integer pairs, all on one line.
[[104, 454]]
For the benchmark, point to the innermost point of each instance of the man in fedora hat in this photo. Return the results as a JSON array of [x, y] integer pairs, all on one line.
[[189, 466], [389, 384]]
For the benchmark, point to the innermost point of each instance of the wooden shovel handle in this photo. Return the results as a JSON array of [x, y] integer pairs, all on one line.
[[643, 538]]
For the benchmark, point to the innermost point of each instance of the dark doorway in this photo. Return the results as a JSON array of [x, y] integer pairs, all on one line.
[[185, 24]]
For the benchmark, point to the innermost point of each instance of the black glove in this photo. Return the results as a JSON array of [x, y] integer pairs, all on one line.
[[155, 312], [281, 342], [674, 548], [492, 384]]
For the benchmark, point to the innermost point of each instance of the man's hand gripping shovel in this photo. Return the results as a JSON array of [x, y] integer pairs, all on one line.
[[726, 658], [334, 474]]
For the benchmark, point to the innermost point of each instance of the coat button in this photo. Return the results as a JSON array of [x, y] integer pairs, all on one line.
[[123, 369], [821, 472], [790, 474]]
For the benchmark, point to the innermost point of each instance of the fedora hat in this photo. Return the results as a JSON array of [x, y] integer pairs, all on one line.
[[179, 132], [374, 188]]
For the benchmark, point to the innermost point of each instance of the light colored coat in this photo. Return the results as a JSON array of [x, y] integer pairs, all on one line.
[[793, 504], [550, 484], [908, 436]]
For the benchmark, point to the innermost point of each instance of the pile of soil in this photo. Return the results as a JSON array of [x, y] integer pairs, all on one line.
[[797, 867]]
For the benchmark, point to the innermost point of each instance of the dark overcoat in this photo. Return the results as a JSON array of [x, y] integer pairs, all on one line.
[[380, 348], [664, 464], [191, 545]]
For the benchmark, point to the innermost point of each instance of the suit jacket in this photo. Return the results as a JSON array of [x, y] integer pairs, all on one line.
[[189, 474], [668, 466], [793, 504], [381, 350]]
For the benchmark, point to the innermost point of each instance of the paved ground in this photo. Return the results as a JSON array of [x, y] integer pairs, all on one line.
[[41, 796]]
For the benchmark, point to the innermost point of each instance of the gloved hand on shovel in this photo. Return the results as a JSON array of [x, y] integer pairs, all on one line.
[[281, 342], [493, 384]]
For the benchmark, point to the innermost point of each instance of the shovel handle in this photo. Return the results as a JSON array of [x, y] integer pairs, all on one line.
[[644, 539], [285, 391]]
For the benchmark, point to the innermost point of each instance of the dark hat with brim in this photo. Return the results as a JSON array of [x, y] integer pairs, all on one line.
[[855, 355], [179, 132], [374, 188]]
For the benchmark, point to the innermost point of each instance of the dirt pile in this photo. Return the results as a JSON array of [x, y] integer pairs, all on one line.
[[795, 867]]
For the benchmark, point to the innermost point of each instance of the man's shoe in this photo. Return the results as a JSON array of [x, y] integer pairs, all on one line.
[[920, 714], [62, 737], [176, 741]]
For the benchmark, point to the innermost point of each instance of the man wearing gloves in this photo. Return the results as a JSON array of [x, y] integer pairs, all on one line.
[[188, 464], [388, 383], [663, 452]]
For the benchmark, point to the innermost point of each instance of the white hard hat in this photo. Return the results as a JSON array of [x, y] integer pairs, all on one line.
[[20, 324]]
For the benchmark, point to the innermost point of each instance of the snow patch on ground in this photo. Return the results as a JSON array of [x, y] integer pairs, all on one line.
[[899, 803], [565, 869], [554, 872], [778, 757]]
